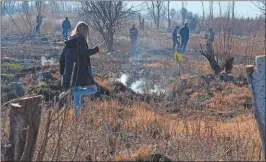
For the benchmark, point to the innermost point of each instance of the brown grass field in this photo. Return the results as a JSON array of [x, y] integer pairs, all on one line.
[[203, 122]]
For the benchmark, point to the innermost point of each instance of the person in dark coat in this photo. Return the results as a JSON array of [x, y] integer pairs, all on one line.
[[184, 33], [39, 22], [134, 37], [66, 26], [76, 51], [175, 38]]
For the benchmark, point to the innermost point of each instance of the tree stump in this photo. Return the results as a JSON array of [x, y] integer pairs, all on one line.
[[256, 79], [213, 60], [25, 118]]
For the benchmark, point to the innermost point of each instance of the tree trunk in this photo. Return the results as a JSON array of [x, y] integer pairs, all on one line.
[[139, 20], [168, 14], [110, 42], [232, 28], [203, 16], [158, 18], [142, 24], [25, 117]]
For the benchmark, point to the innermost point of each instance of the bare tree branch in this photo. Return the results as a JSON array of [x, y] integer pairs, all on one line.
[[260, 5], [156, 10], [106, 17]]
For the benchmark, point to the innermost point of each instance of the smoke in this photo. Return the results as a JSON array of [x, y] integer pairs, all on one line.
[[123, 79], [140, 86], [45, 61]]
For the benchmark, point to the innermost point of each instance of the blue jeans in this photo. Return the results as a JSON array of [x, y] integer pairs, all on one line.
[[79, 92], [183, 45], [65, 32]]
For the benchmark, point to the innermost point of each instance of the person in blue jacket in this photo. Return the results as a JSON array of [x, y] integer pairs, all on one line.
[[66, 26], [184, 33]]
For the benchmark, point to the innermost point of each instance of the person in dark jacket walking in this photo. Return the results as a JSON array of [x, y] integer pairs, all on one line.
[[66, 26], [184, 33], [175, 38], [76, 51]]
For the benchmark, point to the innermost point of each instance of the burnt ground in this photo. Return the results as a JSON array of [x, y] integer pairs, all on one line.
[[154, 66]]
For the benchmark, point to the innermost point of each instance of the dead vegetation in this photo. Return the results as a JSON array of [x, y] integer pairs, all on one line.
[[205, 114]]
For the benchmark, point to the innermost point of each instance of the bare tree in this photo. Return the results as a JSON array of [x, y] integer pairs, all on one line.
[[168, 16], [211, 12], [141, 22], [40, 6], [55, 7], [172, 13], [8, 7], [184, 14], [220, 26], [203, 15], [184, 4], [106, 17], [261, 6], [232, 27], [25, 11], [156, 10]]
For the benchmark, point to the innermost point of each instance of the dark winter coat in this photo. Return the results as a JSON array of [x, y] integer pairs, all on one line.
[[76, 51], [134, 33], [66, 25], [174, 35], [184, 33]]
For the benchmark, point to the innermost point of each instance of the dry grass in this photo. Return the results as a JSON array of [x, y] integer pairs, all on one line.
[[110, 130]]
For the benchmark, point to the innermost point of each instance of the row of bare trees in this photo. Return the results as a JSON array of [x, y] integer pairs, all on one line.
[[156, 9], [226, 40], [28, 9], [24, 12], [107, 17]]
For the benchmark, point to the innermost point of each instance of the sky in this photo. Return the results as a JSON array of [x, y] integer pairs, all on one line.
[[242, 8]]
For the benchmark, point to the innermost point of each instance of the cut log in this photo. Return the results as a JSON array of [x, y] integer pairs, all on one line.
[[25, 117], [256, 80]]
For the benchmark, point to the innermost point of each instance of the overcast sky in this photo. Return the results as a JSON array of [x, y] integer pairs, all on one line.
[[242, 8]]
